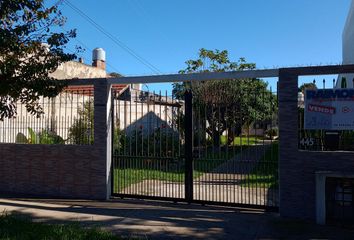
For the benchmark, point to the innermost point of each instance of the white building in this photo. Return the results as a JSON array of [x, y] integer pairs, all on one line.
[[346, 80]]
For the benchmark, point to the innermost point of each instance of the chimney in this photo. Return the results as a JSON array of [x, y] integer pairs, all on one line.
[[99, 58]]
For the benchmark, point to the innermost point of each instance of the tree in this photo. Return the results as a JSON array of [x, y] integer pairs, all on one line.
[[30, 49], [226, 105], [115, 75], [306, 86]]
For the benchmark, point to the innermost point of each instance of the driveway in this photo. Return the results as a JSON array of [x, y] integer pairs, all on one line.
[[222, 184], [163, 220]]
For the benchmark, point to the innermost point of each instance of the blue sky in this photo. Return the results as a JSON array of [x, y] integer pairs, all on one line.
[[272, 33]]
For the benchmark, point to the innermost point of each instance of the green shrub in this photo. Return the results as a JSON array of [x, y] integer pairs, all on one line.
[[45, 136]]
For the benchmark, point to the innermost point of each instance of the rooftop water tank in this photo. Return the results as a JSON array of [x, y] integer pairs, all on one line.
[[98, 54]]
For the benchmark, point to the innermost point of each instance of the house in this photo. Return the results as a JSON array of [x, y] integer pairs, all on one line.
[[65, 111]]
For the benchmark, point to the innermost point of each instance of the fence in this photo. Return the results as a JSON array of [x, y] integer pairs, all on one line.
[[66, 119], [148, 143], [85, 171], [235, 145], [198, 147]]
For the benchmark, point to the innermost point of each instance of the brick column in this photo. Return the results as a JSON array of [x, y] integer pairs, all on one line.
[[289, 165]]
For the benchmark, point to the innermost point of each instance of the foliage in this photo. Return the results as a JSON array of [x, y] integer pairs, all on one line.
[[306, 86], [226, 104], [49, 137], [29, 51], [22, 228], [115, 75], [118, 137], [210, 61], [82, 130], [272, 132], [43, 137]]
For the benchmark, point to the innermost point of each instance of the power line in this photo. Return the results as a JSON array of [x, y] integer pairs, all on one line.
[[88, 48], [59, 2], [113, 38]]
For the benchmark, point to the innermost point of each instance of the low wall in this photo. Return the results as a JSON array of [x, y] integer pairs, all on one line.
[[52, 171], [298, 180]]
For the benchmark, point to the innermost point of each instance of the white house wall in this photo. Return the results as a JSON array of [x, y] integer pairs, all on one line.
[[348, 47], [147, 117], [59, 115], [73, 69]]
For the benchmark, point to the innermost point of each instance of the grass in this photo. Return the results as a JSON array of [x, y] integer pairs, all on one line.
[[128, 176], [137, 170], [265, 174], [242, 140], [21, 228]]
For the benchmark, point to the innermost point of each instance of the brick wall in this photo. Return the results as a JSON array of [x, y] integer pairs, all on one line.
[[52, 171], [297, 168]]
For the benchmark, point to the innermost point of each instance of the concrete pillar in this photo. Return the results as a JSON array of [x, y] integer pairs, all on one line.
[[103, 136]]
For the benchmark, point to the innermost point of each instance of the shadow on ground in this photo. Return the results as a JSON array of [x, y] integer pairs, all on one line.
[[162, 220]]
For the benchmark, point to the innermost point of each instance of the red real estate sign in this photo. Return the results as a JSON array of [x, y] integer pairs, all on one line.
[[329, 109]]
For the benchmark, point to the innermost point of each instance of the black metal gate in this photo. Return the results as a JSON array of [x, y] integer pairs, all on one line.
[[196, 150]]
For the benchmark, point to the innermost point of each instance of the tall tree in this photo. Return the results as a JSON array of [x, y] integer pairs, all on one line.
[[227, 105], [31, 47]]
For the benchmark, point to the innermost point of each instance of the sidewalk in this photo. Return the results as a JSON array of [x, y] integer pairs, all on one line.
[[162, 220]]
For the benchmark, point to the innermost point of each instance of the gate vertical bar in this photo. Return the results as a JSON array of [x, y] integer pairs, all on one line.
[[188, 148]]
